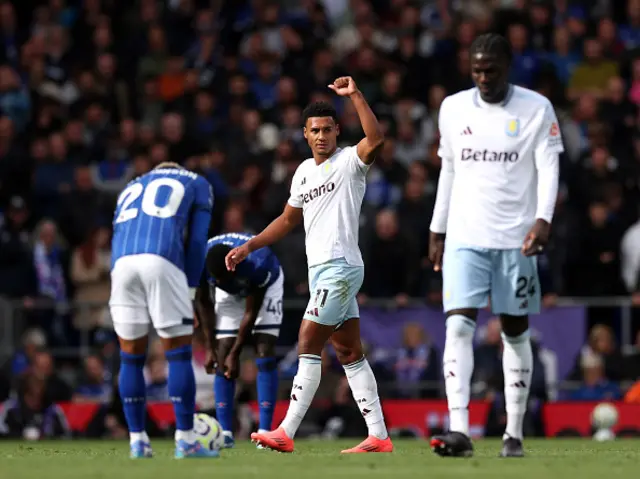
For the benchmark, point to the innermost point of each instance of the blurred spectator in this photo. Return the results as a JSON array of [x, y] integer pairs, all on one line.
[[15, 102], [391, 265], [596, 386], [90, 268], [598, 255], [49, 260], [417, 365], [17, 270], [592, 74], [30, 416], [106, 343], [56, 389], [33, 341], [96, 386], [601, 344]]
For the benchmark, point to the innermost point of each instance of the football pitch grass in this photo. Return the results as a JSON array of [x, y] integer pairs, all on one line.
[[565, 458]]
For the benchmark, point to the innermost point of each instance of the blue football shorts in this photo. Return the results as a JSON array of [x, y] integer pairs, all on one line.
[[472, 276], [333, 287]]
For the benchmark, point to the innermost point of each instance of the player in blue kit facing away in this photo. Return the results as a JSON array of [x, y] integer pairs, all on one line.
[[232, 306], [160, 235]]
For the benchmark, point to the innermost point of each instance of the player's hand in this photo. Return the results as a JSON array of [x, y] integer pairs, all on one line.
[[436, 249], [231, 365], [236, 256], [344, 86], [211, 362], [537, 238]]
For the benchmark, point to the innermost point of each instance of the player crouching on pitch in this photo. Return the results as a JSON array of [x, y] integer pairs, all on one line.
[[232, 305]]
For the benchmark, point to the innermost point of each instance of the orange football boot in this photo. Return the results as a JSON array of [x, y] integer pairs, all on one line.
[[371, 444], [276, 440]]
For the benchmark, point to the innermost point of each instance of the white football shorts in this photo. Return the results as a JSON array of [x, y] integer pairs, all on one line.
[[148, 289], [230, 310]]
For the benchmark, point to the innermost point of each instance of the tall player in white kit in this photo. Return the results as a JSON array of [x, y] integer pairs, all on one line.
[[496, 196], [327, 191]]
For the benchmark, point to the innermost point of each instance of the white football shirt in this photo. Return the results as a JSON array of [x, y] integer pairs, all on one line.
[[330, 195], [499, 167]]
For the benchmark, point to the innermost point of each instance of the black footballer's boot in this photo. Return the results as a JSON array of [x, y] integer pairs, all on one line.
[[512, 447], [452, 444]]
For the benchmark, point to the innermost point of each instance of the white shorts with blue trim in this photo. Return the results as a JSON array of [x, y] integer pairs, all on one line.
[[148, 289], [472, 276], [333, 286], [230, 310]]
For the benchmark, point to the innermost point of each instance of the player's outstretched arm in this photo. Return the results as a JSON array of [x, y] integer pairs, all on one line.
[[277, 229], [373, 140]]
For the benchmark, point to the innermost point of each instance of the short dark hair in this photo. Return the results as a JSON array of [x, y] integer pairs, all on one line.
[[215, 264], [492, 44], [319, 109]]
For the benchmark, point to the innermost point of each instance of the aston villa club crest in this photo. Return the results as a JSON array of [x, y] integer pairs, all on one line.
[[513, 128]]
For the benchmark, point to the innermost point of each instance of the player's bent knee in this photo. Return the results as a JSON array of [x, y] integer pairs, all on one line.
[[265, 345], [312, 337], [348, 355], [134, 346], [460, 326], [514, 326], [470, 313], [346, 342]]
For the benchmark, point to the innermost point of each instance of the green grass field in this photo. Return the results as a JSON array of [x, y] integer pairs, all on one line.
[[320, 460]]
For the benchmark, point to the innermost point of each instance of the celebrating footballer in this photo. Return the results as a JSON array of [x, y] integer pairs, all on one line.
[[327, 192]]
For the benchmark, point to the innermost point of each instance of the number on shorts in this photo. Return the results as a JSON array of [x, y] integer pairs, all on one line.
[[524, 284], [274, 307], [149, 206], [321, 296]]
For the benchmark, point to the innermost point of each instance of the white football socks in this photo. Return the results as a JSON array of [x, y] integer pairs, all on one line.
[[365, 391], [517, 365], [305, 385], [187, 436], [457, 364], [139, 436]]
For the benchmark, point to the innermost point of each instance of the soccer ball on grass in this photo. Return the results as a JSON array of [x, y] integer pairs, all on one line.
[[208, 431], [603, 418]]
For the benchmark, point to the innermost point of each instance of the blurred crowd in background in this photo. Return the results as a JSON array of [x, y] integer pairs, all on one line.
[[95, 92]]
